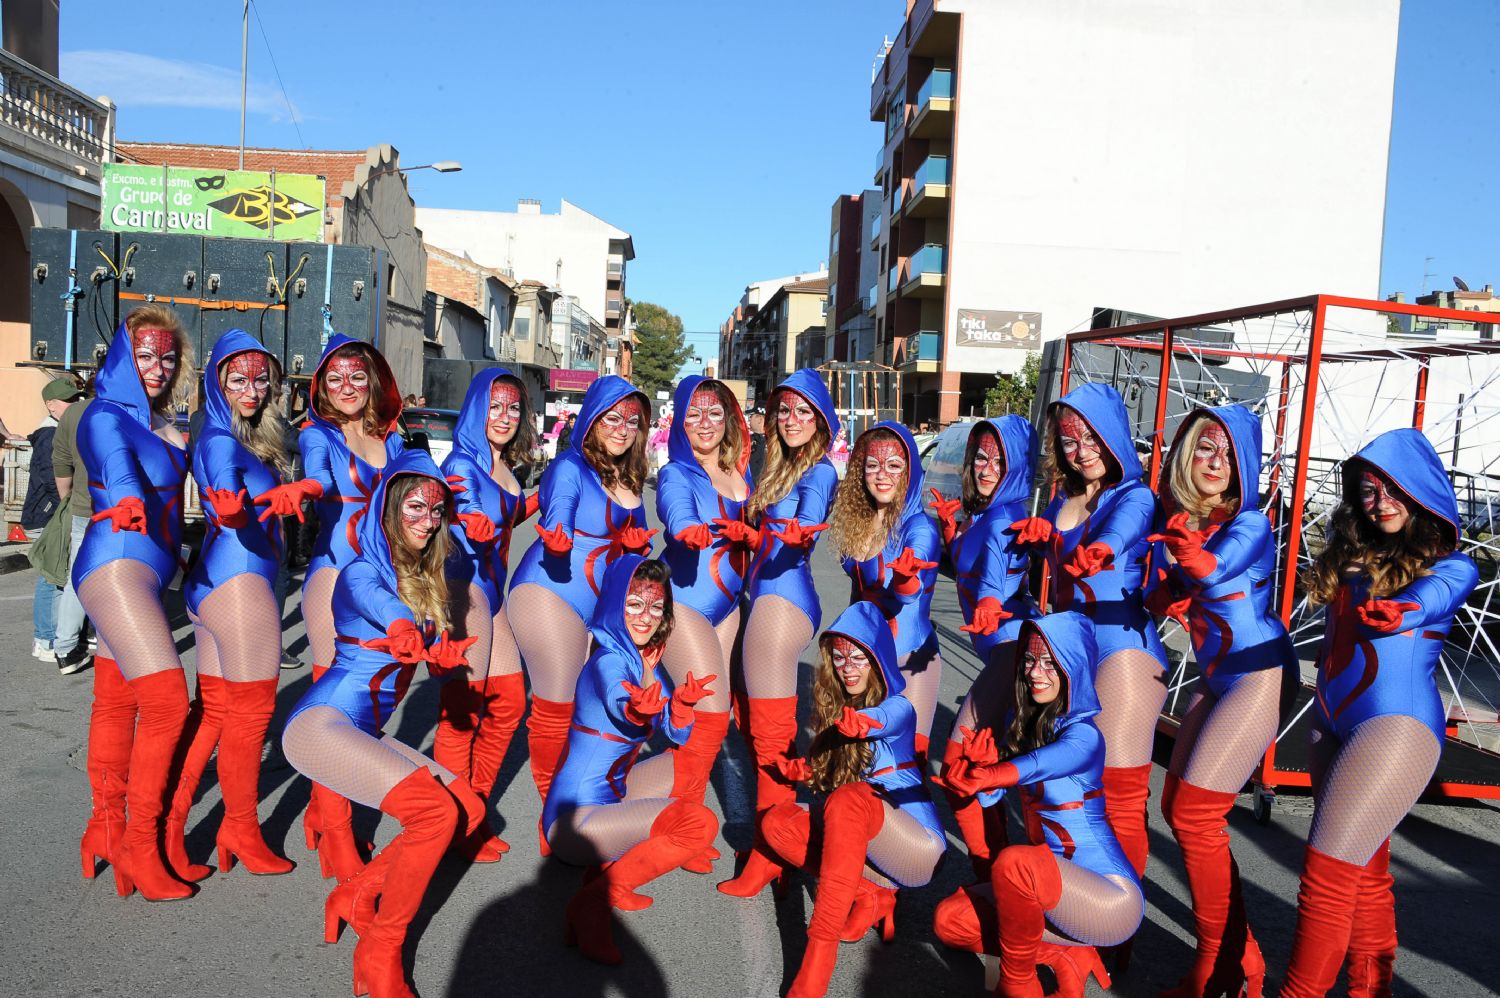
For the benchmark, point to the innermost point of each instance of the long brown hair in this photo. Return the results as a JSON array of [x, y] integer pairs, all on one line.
[[158, 316], [629, 469], [974, 500], [1392, 561], [420, 580], [655, 570], [854, 518], [517, 451], [1033, 725], [264, 434], [323, 405], [1184, 494], [835, 759], [785, 466], [1055, 467]]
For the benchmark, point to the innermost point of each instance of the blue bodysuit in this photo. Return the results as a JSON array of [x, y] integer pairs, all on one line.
[[125, 458], [1122, 518], [779, 570], [910, 616], [573, 497], [471, 460], [1363, 673], [709, 581], [365, 684], [222, 462], [603, 743], [1231, 623], [986, 560]]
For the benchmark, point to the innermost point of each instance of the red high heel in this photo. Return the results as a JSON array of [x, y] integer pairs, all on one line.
[[246, 718], [201, 737], [162, 703], [1072, 965], [873, 906], [759, 870], [111, 735]]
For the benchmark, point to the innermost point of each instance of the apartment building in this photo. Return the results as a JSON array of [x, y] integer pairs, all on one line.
[[734, 349], [1041, 163], [470, 309], [785, 333], [853, 267]]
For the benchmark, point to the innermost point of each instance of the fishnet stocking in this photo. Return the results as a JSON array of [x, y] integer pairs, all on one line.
[[1234, 730], [923, 671], [231, 631], [696, 646], [1363, 787], [328, 748], [123, 599], [1095, 910], [905, 850], [470, 613], [651, 777], [505, 656], [1132, 687], [599, 833], [775, 637], [991, 695], [317, 614], [554, 644]]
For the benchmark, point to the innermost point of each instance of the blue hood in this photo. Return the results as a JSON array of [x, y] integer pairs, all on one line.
[[1018, 442], [679, 449], [602, 396], [373, 543], [470, 433], [1104, 411], [864, 624], [915, 478], [216, 411], [1243, 427], [1070, 635], [119, 382], [806, 382], [608, 622], [390, 405], [1408, 458]]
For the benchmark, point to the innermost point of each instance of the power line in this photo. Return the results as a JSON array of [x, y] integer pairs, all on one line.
[[284, 96]]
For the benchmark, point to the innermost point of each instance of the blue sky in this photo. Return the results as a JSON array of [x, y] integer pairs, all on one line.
[[718, 134]]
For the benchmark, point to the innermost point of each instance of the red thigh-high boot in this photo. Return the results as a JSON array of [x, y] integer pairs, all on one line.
[[1227, 955], [1325, 918], [983, 828], [162, 708], [200, 738], [874, 905], [1372, 943], [772, 734], [691, 765], [852, 816], [111, 733], [1126, 791], [312, 826], [338, 854], [1027, 885], [249, 714], [546, 737], [680, 831], [966, 920], [504, 706], [781, 838], [428, 815], [1072, 965], [460, 718]]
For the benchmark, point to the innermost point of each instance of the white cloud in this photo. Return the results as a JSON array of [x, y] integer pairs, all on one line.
[[134, 79]]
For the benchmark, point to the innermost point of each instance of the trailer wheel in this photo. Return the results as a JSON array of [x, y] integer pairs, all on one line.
[[1261, 806]]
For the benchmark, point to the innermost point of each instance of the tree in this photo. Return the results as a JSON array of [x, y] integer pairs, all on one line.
[[660, 350], [1013, 394]]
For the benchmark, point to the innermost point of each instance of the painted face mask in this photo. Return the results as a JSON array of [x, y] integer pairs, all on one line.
[[1038, 653], [987, 459], [847, 656], [626, 412], [885, 456], [1213, 443], [248, 373], [425, 502], [505, 405], [704, 408], [347, 372], [1076, 436], [1375, 494], [793, 408], [156, 355], [645, 596]]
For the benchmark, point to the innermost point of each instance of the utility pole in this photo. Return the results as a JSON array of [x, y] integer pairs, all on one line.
[[244, 75], [1427, 271]]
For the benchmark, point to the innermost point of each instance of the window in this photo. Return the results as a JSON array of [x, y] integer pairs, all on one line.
[[522, 323]]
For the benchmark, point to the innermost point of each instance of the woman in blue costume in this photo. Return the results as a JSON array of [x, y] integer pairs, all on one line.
[[990, 568], [390, 609], [788, 508], [1072, 888], [239, 457], [1093, 535], [1212, 568], [700, 498], [1391, 580], [879, 828], [890, 549], [136, 462], [346, 444], [591, 515], [603, 811], [481, 711]]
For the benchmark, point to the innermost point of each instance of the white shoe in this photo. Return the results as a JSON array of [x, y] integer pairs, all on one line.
[[42, 651]]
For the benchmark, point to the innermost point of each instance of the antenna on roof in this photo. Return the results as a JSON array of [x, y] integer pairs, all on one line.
[[1458, 282]]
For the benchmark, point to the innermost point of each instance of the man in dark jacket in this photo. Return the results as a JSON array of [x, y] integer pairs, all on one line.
[[41, 503], [757, 422]]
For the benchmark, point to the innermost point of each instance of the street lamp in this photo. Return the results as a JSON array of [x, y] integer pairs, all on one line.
[[441, 166]]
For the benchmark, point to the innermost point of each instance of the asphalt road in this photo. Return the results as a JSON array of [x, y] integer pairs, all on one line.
[[497, 929]]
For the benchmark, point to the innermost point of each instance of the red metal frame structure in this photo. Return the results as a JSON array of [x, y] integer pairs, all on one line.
[[1301, 360]]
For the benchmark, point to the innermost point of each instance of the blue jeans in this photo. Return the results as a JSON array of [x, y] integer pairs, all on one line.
[[69, 614], [44, 611]]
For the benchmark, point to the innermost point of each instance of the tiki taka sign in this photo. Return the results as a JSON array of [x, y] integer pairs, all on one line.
[[983, 328], [247, 204]]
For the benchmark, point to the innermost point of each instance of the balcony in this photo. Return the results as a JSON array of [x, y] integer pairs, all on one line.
[[934, 116], [40, 113], [929, 188], [872, 298], [923, 353], [879, 164], [875, 228], [924, 273], [613, 306], [615, 270]]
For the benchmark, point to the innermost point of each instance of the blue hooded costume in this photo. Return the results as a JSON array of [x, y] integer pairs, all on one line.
[[1231, 623], [779, 570], [1122, 518], [573, 497], [603, 743], [348, 482], [910, 616], [222, 462], [486, 563], [1363, 673], [709, 581], [125, 458], [365, 684], [986, 560]]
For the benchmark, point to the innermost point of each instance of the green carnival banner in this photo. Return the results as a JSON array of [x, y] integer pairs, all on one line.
[[248, 204]]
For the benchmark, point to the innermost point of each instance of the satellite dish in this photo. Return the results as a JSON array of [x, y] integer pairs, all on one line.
[[1458, 282]]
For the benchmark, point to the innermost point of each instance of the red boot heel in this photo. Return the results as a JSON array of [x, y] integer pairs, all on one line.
[[759, 871], [245, 843], [874, 907], [1072, 966]]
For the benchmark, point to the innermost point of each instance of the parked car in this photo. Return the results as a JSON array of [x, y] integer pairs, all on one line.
[[430, 430], [942, 460]]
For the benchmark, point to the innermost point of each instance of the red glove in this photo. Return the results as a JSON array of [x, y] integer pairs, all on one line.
[[446, 655], [1385, 615], [477, 526], [636, 540], [456, 484], [794, 769], [853, 724], [904, 572], [979, 746], [1162, 604], [286, 500], [557, 542], [945, 510], [796, 535], [697, 536], [988, 613], [402, 641], [687, 696], [229, 507], [644, 704], [1032, 530], [738, 532], [128, 514], [533, 503], [966, 779], [1089, 560], [1187, 546]]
